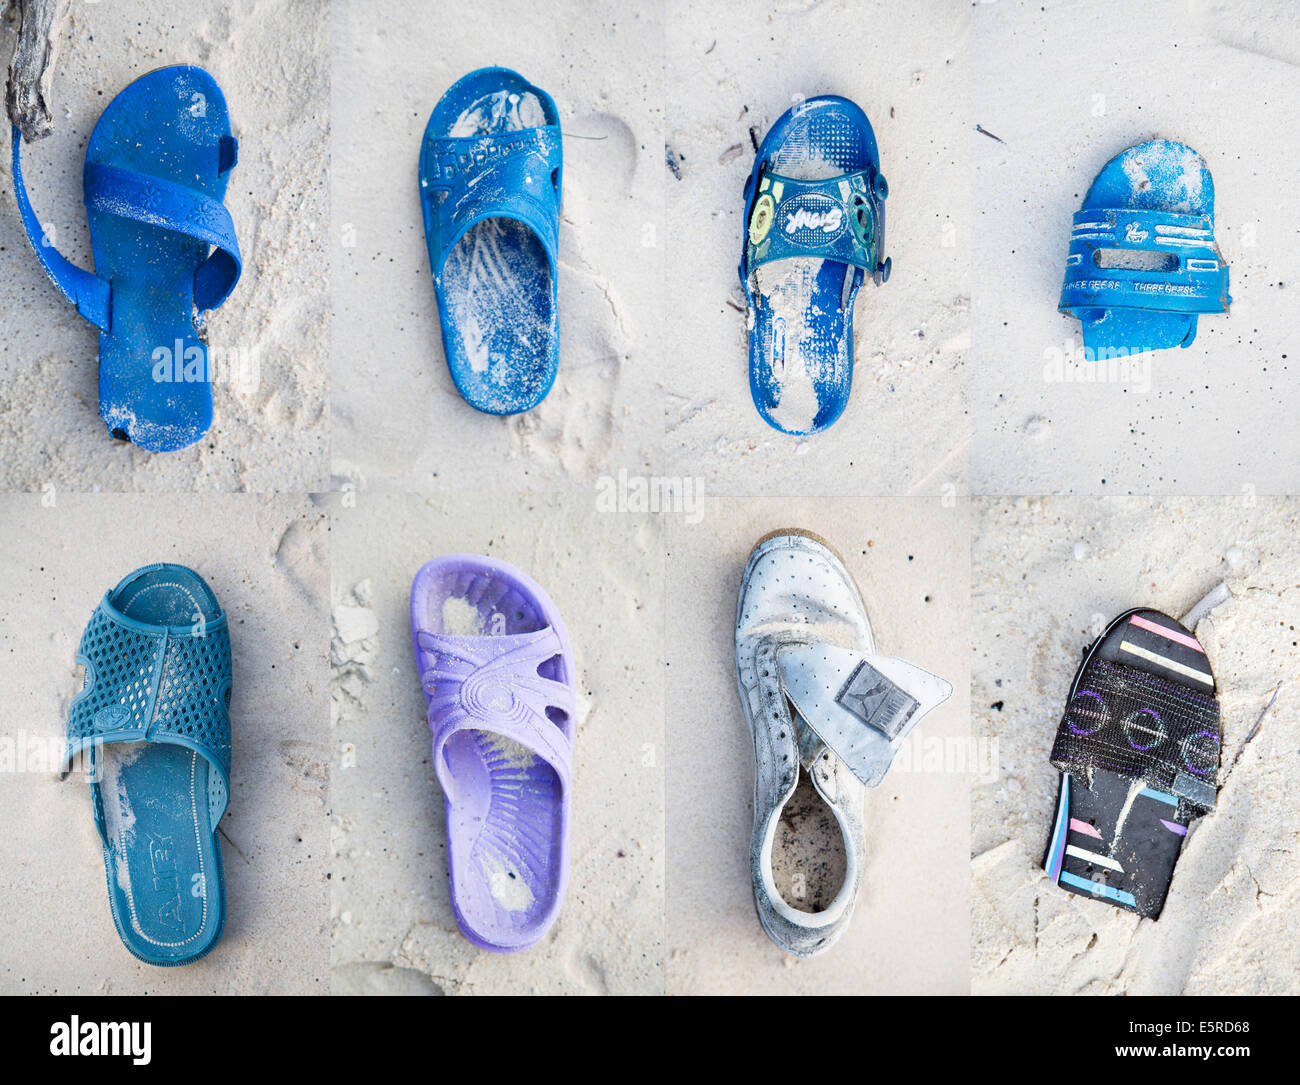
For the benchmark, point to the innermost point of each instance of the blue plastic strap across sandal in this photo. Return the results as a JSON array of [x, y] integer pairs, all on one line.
[[171, 206], [841, 219], [513, 175], [1187, 274], [151, 200], [88, 292]]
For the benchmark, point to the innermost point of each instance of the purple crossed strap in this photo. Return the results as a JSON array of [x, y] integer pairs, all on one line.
[[492, 683]]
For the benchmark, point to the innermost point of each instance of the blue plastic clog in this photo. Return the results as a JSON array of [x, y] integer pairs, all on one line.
[[490, 182]]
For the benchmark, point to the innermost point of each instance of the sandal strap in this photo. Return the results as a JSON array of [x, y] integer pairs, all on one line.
[[840, 218], [514, 175], [154, 684], [1197, 279], [492, 684], [156, 201], [1146, 728], [87, 291]]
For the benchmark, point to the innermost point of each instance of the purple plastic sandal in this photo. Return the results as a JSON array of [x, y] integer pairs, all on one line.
[[497, 670]]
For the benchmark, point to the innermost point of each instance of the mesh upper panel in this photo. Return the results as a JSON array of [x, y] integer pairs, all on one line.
[[159, 684]]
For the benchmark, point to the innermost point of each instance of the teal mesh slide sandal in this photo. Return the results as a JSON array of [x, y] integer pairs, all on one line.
[[152, 729]]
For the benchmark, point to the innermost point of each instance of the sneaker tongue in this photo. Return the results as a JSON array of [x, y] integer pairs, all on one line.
[[861, 707], [810, 743]]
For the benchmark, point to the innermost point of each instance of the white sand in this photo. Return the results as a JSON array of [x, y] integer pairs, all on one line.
[[393, 928], [909, 933], [1048, 573], [1087, 82], [270, 577], [269, 431]]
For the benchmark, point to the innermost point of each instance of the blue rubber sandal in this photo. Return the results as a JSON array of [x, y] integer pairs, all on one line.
[[814, 230], [153, 722], [1143, 263], [164, 245], [490, 181]]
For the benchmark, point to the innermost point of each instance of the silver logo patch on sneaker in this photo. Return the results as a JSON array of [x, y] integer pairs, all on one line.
[[876, 701]]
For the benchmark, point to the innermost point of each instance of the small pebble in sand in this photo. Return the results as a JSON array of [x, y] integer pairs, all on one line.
[[1080, 550]]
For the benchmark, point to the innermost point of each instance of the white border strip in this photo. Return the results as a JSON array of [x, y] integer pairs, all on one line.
[[1168, 664], [1093, 858]]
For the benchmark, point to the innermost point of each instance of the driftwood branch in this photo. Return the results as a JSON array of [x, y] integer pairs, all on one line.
[[31, 72]]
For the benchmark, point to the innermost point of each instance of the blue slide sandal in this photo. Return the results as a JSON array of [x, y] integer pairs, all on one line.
[[490, 182], [814, 230], [1143, 263], [153, 724], [164, 245]]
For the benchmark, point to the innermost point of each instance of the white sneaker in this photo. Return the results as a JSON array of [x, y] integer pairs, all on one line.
[[817, 697]]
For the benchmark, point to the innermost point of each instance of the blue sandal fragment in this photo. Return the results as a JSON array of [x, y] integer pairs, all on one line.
[[814, 231], [153, 726], [490, 170], [1143, 263], [164, 246]]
